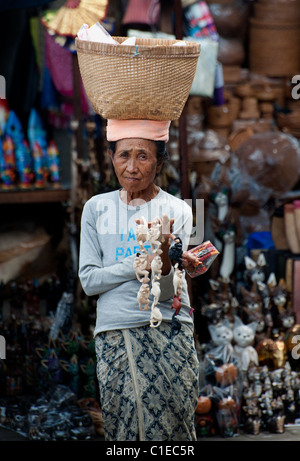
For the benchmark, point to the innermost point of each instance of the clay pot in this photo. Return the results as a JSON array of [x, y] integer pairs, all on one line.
[[218, 116], [230, 19], [267, 94], [206, 148], [231, 51], [272, 159], [249, 108], [244, 90], [234, 105], [266, 109]]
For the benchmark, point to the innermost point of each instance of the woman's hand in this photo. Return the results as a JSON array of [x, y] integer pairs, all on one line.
[[167, 226], [189, 261]]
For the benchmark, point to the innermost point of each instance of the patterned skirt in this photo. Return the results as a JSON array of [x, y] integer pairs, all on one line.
[[148, 383]]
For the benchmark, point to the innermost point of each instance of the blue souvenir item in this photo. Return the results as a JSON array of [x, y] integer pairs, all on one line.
[[13, 128], [37, 134], [24, 164], [8, 170], [53, 163]]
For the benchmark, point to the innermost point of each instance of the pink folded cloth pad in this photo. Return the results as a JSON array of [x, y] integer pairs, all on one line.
[[155, 130]]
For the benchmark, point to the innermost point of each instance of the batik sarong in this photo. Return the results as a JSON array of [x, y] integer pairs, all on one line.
[[148, 381]]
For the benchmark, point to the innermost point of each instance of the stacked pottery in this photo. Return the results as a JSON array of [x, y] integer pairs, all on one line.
[[230, 19], [274, 38], [206, 149]]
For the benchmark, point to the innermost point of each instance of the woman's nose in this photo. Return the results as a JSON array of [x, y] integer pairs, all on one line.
[[132, 164]]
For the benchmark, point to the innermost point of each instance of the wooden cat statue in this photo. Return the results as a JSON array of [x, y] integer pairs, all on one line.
[[243, 337], [221, 338]]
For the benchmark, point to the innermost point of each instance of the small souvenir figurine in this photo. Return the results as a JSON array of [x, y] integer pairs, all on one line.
[[33, 298], [37, 133], [175, 252], [156, 265], [244, 336], [53, 163], [227, 417], [14, 130], [140, 265], [221, 339], [228, 254], [155, 289], [38, 165], [252, 415], [255, 270], [141, 232], [177, 280], [24, 165], [155, 236], [8, 163], [204, 421], [143, 297], [156, 317], [226, 374], [176, 304]]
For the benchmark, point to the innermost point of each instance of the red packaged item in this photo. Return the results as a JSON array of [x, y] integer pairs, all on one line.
[[206, 254]]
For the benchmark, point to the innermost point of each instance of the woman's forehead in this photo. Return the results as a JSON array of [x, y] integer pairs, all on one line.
[[136, 143]]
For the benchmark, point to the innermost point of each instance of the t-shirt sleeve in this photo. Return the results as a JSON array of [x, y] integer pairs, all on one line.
[[94, 277]]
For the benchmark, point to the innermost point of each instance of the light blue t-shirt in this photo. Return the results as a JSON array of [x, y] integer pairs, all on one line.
[[108, 247]]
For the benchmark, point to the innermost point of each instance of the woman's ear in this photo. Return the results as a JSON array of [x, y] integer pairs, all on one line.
[[159, 167], [111, 154]]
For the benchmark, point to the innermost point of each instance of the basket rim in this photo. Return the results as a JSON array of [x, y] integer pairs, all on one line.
[[143, 46]]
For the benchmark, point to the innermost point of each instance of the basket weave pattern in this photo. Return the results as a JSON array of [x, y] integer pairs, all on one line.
[[274, 38], [145, 81]]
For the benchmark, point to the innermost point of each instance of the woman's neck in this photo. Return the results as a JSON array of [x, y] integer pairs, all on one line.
[[138, 198]]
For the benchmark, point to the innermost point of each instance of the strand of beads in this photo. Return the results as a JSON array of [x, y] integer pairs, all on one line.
[[140, 265], [155, 238]]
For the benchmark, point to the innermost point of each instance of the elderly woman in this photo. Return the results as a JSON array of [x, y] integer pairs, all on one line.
[[148, 377]]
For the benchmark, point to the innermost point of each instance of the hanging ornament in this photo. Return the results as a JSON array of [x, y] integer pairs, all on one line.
[[153, 235]]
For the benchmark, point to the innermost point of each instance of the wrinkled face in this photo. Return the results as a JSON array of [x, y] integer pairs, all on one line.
[[135, 164]]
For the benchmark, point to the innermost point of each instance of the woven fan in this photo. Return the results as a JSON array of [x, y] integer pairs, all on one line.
[[68, 19]]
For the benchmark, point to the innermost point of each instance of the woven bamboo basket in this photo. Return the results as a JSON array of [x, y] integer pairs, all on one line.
[[280, 11], [274, 48], [150, 80]]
